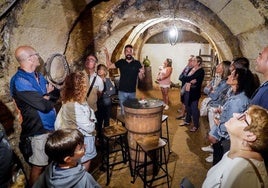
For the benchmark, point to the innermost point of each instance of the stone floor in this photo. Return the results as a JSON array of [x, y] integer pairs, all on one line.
[[186, 158]]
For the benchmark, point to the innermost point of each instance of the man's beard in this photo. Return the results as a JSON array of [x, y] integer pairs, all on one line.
[[129, 57]]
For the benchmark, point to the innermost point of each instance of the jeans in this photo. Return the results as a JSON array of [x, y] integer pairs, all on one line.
[[123, 96], [193, 111]]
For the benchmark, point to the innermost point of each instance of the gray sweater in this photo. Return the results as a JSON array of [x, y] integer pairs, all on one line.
[[75, 177]]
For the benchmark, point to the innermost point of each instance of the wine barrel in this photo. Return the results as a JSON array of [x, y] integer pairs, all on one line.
[[141, 120]]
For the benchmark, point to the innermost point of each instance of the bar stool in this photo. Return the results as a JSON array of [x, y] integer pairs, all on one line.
[[118, 135], [165, 120], [152, 157], [120, 118]]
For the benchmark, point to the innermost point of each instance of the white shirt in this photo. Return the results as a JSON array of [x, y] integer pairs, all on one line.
[[235, 173], [98, 82], [75, 115]]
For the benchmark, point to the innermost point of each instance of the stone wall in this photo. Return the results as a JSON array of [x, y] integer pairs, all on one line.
[[77, 27]]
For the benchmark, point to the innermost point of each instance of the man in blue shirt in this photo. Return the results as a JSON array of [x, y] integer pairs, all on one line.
[[260, 96], [32, 95]]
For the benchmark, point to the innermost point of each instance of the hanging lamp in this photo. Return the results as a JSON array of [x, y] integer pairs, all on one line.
[[173, 33]]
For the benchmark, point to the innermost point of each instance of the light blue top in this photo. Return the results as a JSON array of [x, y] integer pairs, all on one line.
[[217, 91], [235, 104]]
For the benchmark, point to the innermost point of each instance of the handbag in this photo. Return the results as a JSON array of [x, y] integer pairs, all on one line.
[[204, 106]]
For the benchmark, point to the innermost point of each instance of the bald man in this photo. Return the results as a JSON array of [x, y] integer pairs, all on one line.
[[31, 93], [260, 96]]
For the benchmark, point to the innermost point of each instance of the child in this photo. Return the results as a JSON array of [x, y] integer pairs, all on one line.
[[65, 147]]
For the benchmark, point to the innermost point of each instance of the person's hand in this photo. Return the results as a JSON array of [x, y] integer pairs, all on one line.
[[46, 97], [142, 71], [217, 121], [193, 81], [50, 87], [218, 110], [105, 50], [188, 86]]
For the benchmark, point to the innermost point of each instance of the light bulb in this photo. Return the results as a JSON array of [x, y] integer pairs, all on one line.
[[173, 35]]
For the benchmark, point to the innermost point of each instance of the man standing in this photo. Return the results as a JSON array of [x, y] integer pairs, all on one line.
[[185, 71], [130, 69], [260, 96], [96, 85], [33, 95], [193, 83]]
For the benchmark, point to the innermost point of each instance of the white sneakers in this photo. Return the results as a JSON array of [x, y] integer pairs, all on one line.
[[209, 159], [207, 148]]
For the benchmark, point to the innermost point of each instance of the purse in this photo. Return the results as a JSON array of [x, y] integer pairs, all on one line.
[[204, 106]]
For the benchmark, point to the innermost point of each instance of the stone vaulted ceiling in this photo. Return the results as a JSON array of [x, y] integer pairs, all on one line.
[[225, 24]]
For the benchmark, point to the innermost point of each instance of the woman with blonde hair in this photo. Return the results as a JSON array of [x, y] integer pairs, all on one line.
[[164, 81], [243, 165], [75, 112], [104, 102]]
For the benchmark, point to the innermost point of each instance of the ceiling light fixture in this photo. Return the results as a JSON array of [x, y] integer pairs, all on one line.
[[173, 33]]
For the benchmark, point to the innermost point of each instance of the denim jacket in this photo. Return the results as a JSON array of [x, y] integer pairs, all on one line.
[[235, 104], [223, 91], [217, 91]]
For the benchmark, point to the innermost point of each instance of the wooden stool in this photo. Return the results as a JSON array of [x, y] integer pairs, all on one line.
[[118, 134], [120, 118], [152, 156], [165, 120]]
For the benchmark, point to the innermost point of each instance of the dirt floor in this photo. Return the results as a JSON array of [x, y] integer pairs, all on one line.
[[187, 158]]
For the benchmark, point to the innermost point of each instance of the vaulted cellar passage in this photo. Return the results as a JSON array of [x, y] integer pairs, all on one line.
[[216, 30]]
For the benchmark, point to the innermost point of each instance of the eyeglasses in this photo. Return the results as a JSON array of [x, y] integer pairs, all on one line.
[[242, 117], [37, 54]]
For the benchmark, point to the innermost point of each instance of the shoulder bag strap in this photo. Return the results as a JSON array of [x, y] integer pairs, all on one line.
[[256, 171], [91, 86]]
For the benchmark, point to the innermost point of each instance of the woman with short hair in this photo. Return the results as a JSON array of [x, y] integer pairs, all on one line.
[[243, 166]]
